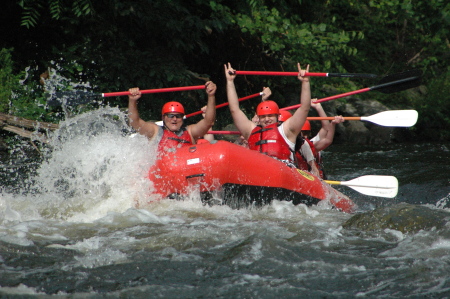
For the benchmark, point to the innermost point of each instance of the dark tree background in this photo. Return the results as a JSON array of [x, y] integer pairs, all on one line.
[[118, 44]]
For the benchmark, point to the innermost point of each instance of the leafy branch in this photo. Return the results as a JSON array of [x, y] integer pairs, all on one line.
[[32, 9]]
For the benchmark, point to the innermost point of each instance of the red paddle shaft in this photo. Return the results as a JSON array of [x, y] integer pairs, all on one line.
[[226, 104], [279, 73], [157, 90], [265, 73], [387, 87], [343, 95]]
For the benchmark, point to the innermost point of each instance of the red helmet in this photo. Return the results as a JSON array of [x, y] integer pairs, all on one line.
[[172, 107], [267, 107], [306, 126], [284, 115]]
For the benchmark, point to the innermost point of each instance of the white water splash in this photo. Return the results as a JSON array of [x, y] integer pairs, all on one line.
[[94, 167]]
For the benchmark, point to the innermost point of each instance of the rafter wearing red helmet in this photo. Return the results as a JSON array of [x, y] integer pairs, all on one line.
[[324, 137], [173, 133], [271, 137]]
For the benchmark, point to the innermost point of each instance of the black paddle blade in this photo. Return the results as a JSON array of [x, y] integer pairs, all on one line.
[[352, 75], [399, 82], [70, 98]]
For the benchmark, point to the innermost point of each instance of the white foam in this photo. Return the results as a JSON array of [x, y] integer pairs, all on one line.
[[93, 168], [21, 289]]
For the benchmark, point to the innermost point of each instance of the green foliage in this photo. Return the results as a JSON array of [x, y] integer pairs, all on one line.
[[434, 109], [290, 40], [28, 99], [31, 12], [32, 9], [21, 94], [118, 44], [410, 34], [7, 79]]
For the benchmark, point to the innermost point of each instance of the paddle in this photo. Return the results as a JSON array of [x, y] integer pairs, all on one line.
[[226, 103], [389, 84], [348, 75], [78, 97], [373, 185], [392, 118], [160, 123]]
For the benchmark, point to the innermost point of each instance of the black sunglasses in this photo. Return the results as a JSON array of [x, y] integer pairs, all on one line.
[[172, 115]]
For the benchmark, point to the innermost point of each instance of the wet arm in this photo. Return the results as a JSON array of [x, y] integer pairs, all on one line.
[[327, 139], [242, 123], [142, 127], [295, 123], [199, 129]]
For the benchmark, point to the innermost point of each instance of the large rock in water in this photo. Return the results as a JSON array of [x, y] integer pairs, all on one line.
[[402, 217]]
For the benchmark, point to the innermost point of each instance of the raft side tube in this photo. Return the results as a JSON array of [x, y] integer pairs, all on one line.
[[238, 173]]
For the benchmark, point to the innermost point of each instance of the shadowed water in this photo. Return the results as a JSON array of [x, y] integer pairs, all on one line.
[[69, 226]]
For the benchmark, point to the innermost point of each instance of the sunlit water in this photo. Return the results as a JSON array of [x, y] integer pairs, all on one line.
[[72, 229]]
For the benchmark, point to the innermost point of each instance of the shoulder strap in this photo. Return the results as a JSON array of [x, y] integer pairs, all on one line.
[[299, 142]]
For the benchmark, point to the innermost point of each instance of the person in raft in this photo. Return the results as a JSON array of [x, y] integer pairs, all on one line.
[[271, 137], [324, 137], [305, 158], [173, 134], [266, 93]]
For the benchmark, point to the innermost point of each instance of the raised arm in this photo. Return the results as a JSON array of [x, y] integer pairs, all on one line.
[[326, 139], [326, 126], [242, 123], [209, 137], [266, 94], [147, 129], [293, 125], [199, 129]]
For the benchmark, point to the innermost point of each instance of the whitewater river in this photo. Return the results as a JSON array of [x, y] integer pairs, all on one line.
[[69, 227]]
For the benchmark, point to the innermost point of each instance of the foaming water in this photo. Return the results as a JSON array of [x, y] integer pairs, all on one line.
[[93, 167], [85, 226]]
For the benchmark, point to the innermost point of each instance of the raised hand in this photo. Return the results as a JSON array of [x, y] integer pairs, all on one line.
[[301, 73], [230, 73], [135, 94]]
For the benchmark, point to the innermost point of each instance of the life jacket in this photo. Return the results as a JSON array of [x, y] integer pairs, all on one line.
[[320, 166], [269, 141], [170, 141], [301, 161]]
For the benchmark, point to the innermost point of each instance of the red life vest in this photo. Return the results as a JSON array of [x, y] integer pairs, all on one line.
[[269, 141], [171, 140], [320, 165], [301, 161]]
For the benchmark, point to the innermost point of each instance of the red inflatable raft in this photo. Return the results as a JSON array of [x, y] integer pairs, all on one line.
[[241, 177]]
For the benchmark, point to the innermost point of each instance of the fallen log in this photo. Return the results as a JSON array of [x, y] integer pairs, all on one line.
[[25, 133], [17, 125], [23, 122]]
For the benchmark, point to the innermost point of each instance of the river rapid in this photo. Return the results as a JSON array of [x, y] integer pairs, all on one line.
[[70, 227]]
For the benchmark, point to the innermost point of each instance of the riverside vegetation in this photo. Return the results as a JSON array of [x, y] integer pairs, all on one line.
[[54, 45]]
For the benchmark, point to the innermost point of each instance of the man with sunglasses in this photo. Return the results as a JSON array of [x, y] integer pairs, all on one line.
[[173, 134]]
